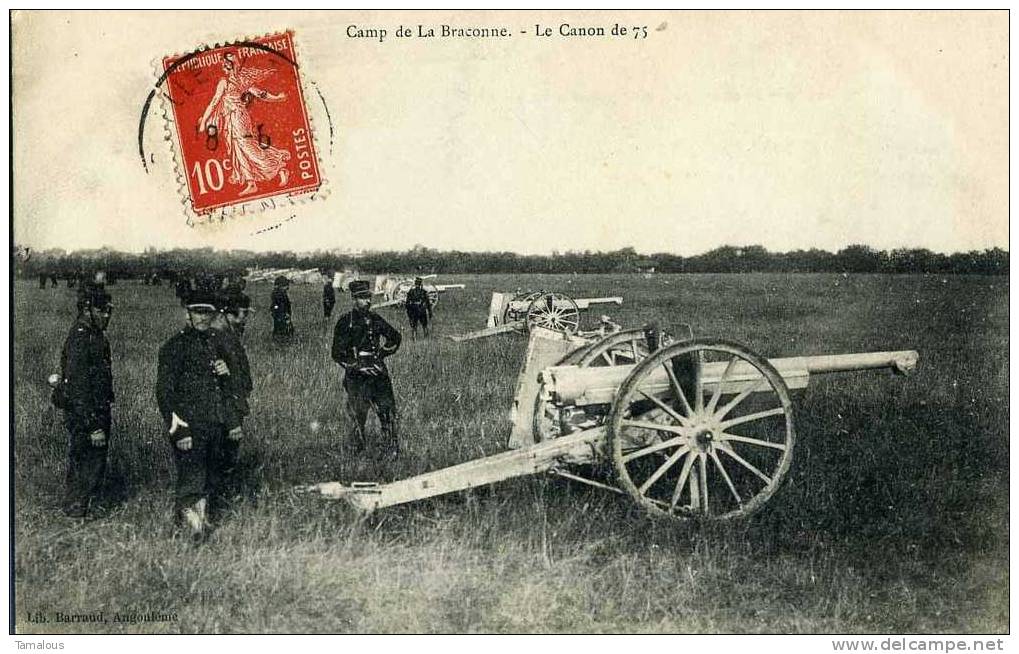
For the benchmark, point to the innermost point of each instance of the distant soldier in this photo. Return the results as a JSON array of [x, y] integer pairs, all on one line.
[[282, 326], [85, 391], [328, 296], [182, 289], [43, 278], [361, 342], [53, 280], [419, 307], [193, 394]]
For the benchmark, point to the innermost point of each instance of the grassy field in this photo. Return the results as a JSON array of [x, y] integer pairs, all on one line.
[[893, 518]]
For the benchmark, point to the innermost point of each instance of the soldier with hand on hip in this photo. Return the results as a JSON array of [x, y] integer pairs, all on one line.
[[361, 341], [419, 307], [84, 391], [192, 390]]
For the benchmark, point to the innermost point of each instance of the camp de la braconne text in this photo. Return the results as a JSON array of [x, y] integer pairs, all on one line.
[[560, 30]]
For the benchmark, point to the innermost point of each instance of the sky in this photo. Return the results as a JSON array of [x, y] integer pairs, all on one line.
[[790, 130]]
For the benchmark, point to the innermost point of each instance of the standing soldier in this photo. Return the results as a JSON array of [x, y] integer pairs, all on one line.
[[85, 392], [282, 327], [229, 328], [328, 296], [361, 342], [419, 307], [192, 393]]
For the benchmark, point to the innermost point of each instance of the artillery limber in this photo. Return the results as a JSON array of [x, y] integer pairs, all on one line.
[[518, 312], [698, 428]]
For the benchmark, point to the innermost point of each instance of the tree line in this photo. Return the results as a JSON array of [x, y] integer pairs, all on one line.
[[167, 264]]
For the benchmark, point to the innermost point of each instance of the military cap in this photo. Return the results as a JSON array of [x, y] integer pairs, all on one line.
[[359, 288], [92, 296], [418, 280], [201, 298]]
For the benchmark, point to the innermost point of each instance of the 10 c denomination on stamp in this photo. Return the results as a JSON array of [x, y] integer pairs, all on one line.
[[241, 124]]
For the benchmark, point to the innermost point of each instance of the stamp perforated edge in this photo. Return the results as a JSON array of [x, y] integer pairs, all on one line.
[[241, 208]]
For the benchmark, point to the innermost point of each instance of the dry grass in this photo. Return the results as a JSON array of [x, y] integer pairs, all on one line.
[[893, 518]]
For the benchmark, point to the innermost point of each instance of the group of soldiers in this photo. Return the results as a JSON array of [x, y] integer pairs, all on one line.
[[203, 384]]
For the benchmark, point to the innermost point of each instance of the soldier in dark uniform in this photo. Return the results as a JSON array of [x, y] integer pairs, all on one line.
[[328, 296], [419, 307], [282, 326], [85, 392], [361, 342], [193, 396], [228, 326]]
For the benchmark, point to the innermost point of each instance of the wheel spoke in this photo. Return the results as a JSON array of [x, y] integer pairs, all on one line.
[[721, 382], [663, 469], [633, 348], [608, 358], [683, 474], [753, 441], [728, 450], [777, 411], [676, 387], [702, 461], [657, 426], [698, 382], [683, 420], [725, 476], [651, 449], [744, 394]]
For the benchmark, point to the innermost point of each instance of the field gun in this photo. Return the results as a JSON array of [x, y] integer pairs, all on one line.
[[394, 291], [518, 312], [694, 429]]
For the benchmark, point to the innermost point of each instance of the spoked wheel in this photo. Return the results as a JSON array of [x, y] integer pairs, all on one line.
[[625, 347], [516, 309], [554, 311], [433, 294], [701, 429]]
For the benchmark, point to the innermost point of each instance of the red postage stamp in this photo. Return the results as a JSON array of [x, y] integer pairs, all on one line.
[[241, 123]]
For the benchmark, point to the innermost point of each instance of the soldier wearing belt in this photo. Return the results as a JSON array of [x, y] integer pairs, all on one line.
[[85, 391], [192, 391], [361, 341], [419, 307]]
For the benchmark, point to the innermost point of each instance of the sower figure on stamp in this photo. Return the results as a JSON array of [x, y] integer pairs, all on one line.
[[228, 328], [361, 342], [192, 393], [419, 307], [282, 326], [328, 296], [85, 391], [254, 158]]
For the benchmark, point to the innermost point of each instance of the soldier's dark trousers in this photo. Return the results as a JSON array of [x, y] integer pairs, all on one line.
[[282, 328], [205, 469], [417, 317], [365, 392], [86, 465], [327, 307]]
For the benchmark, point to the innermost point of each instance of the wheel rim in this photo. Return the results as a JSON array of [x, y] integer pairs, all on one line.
[[625, 347], [554, 311], [684, 450]]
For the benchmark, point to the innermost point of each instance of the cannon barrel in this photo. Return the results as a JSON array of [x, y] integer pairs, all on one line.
[[576, 386]]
